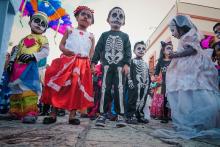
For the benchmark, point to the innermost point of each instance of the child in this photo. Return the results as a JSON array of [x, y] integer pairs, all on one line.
[[24, 78], [216, 58], [138, 86], [191, 85], [114, 51], [69, 80], [162, 64], [216, 30], [4, 89]]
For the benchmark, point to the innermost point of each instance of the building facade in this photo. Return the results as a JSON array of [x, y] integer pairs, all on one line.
[[204, 17]]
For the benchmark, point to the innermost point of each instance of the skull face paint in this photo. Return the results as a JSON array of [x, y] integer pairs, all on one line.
[[140, 50], [168, 49], [116, 18]]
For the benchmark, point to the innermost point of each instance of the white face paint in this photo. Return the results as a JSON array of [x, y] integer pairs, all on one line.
[[140, 50], [116, 18], [38, 26], [168, 49], [174, 31]]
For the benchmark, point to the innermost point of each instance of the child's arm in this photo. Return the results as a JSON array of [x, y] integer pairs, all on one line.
[[189, 51], [12, 59], [158, 67], [130, 76], [62, 44], [98, 48], [44, 51], [91, 52], [127, 56]]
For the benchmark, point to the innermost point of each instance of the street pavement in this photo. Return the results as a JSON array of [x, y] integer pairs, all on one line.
[[61, 134]]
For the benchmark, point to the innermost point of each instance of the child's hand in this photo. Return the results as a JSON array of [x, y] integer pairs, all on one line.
[[10, 66], [125, 69], [26, 58]]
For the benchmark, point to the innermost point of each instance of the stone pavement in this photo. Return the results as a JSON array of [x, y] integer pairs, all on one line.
[[61, 134]]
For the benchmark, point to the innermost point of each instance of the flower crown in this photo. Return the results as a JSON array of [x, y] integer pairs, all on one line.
[[80, 8]]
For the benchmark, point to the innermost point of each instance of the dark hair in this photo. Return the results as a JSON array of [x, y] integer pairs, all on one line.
[[217, 24], [163, 46], [140, 42], [79, 11], [214, 54], [181, 30], [113, 9]]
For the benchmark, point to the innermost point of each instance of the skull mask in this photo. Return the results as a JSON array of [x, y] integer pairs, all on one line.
[[116, 17], [140, 50]]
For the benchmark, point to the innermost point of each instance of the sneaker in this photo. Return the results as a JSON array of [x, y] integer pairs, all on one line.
[[132, 120], [100, 121], [120, 122]]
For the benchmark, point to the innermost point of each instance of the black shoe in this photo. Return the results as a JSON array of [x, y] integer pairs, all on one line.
[[49, 120], [120, 122], [143, 120], [100, 121], [74, 121], [132, 120]]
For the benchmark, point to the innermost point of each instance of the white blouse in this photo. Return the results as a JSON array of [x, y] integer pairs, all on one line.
[[78, 42]]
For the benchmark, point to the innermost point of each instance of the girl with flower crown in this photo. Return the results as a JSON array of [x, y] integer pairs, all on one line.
[[68, 81]]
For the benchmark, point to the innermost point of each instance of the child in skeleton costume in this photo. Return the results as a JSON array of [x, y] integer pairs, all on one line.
[[114, 51], [163, 63], [24, 79], [191, 86], [138, 86], [68, 81]]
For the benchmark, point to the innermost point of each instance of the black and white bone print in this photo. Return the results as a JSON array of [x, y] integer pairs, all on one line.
[[114, 49]]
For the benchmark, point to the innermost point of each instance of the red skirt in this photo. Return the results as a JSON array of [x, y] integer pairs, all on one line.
[[68, 83]]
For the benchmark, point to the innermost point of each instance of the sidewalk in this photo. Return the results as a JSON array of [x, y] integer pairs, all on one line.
[[14, 133]]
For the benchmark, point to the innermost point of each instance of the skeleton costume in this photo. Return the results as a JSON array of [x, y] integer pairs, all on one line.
[[114, 51], [191, 86], [138, 86]]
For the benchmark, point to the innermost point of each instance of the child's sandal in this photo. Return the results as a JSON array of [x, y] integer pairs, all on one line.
[[74, 121]]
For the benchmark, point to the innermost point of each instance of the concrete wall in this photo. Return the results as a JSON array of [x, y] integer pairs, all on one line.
[[8, 9]]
